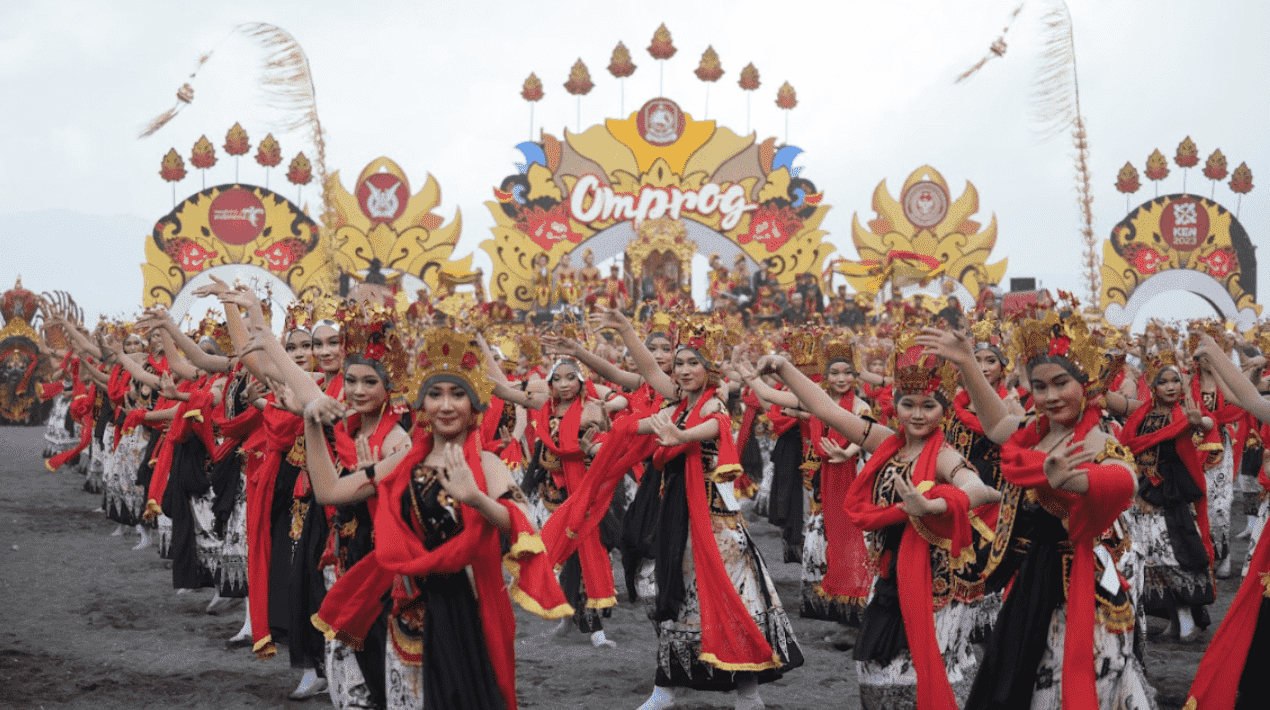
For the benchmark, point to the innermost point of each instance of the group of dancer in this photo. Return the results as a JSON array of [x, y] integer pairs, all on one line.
[[991, 505]]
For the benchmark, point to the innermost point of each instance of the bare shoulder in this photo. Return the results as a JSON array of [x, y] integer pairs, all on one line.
[[497, 478]]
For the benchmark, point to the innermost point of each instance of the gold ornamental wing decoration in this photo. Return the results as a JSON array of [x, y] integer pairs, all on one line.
[[233, 224], [1174, 232], [657, 164], [921, 235], [381, 225]]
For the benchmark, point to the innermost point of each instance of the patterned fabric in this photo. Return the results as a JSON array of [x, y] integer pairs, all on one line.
[[344, 677], [57, 437], [1258, 525], [231, 557], [893, 685], [1221, 495], [1120, 678], [123, 497], [679, 640], [94, 482]]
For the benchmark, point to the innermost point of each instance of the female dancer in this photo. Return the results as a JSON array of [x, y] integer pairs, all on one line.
[[442, 505], [1242, 641], [1069, 482], [566, 425], [914, 498], [1171, 501], [721, 625]]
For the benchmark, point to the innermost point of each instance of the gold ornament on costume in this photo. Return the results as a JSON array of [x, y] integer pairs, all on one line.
[[839, 348], [210, 327], [916, 372], [1069, 338], [1159, 362], [448, 352]]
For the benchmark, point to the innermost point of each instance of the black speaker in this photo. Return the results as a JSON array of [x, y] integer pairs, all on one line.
[[1024, 284]]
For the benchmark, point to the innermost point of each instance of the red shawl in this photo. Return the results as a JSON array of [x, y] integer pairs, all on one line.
[[1179, 430], [597, 568], [950, 530], [730, 640], [353, 603], [280, 430], [1216, 684], [1111, 490], [847, 575]]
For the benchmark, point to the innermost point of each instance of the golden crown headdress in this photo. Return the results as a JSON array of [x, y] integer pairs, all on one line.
[[531, 348], [914, 371], [1159, 362], [212, 327], [838, 347], [1068, 338], [804, 349], [446, 352], [706, 336], [371, 332]]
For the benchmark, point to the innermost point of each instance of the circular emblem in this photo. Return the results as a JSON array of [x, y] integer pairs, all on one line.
[[383, 197], [236, 216], [1184, 224], [660, 122], [925, 204]]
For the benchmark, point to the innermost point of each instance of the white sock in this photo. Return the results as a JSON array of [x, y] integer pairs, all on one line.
[[118, 531], [245, 631], [1185, 623], [598, 640], [145, 538], [747, 697], [562, 629], [661, 699], [307, 681]]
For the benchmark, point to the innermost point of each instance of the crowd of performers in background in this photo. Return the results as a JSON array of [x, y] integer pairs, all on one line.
[[990, 506]]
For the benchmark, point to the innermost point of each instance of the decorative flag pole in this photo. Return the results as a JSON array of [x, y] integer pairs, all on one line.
[[621, 66], [662, 48], [300, 172], [268, 154], [1241, 183], [1127, 182], [748, 82], [236, 144], [709, 71], [531, 91], [203, 156], [787, 100], [1157, 169], [1187, 157], [173, 170], [1214, 170], [579, 84]]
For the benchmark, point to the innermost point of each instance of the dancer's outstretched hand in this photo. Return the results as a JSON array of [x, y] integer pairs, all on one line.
[[951, 345], [456, 477]]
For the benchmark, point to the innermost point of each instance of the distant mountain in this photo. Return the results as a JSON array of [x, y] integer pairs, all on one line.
[[95, 258]]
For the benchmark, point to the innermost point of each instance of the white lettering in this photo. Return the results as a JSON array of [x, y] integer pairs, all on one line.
[[655, 202], [586, 185], [733, 205]]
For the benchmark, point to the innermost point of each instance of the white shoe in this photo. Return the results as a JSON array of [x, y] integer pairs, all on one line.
[[310, 685], [1223, 570], [598, 640], [564, 627], [118, 532], [146, 540], [661, 699]]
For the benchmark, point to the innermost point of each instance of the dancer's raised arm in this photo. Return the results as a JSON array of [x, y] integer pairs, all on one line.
[[647, 365], [955, 347], [1243, 391], [866, 433]]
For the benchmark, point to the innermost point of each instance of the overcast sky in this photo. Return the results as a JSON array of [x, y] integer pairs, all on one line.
[[435, 86]]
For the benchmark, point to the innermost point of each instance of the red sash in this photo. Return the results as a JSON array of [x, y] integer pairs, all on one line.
[[847, 577], [730, 640], [951, 528], [353, 603], [1111, 490]]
